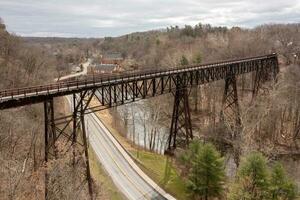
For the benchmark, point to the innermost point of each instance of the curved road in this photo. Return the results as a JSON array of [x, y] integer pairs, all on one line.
[[83, 72], [120, 169]]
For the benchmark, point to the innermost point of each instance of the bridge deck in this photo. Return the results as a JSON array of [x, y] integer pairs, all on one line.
[[211, 71]]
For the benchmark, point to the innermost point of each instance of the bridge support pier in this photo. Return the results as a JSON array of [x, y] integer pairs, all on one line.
[[79, 124], [230, 113], [54, 128], [49, 136], [50, 133], [265, 70], [181, 127]]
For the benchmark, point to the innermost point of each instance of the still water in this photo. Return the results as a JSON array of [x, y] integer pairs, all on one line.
[[143, 127]]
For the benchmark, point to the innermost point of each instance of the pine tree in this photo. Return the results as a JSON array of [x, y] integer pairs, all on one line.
[[207, 173], [189, 155], [184, 61], [252, 179], [282, 188]]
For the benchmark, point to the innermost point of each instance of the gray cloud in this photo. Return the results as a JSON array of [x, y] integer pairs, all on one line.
[[98, 18]]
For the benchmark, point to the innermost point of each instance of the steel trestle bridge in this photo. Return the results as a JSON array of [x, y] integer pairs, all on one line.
[[117, 90]]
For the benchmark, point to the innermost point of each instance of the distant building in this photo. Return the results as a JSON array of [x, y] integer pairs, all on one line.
[[112, 58], [103, 68]]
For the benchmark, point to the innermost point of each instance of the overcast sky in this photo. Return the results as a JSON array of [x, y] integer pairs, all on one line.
[[98, 18]]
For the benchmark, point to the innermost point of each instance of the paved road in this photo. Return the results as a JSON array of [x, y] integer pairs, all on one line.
[[83, 72], [121, 172], [118, 164]]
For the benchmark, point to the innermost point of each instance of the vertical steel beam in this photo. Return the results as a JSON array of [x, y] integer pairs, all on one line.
[[46, 130], [102, 96], [46, 147], [181, 128], [109, 95], [84, 138], [133, 91], [53, 132], [136, 88], [50, 133], [74, 130], [115, 94], [122, 92], [230, 113], [153, 87], [126, 91], [50, 137], [144, 88]]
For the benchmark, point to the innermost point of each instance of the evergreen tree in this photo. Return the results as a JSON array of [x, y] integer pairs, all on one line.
[[207, 173], [184, 61], [281, 187], [252, 179], [189, 155]]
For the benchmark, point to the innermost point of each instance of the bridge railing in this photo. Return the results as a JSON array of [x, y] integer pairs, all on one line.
[[96, 79]]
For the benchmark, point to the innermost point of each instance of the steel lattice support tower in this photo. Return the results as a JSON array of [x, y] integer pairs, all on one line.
[[55, 128], [230, 113], [49, 137], [266, 70], [181, 127], [50, 133], [79, 108]]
